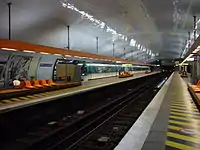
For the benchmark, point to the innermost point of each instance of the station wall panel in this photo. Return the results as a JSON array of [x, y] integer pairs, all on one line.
[[45, 67], [33, 67]]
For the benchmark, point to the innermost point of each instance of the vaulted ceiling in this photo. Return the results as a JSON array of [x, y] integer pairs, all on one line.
[[158, 25]]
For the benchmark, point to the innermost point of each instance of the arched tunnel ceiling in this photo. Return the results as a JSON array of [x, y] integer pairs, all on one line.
[[160, 25]]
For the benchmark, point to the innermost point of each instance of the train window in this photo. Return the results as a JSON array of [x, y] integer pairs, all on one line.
[[103, 68]]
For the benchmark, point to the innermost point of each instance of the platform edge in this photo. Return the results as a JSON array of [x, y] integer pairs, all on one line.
[[134, 139]]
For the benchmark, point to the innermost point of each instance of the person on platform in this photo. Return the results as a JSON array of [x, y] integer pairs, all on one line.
[[16, 83]]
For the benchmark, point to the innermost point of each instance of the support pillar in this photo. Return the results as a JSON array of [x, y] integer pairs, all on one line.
[[97, 44], [113, 49], [195, 27], [9, 20], [124, 53], [68, 38]]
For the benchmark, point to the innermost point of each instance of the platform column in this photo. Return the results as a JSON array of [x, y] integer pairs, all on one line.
[[9, 19], [198, 68], [68, 38], [195, 27], [97, 44], [6, 78], [124, 53], [113, 49], [194, 72]]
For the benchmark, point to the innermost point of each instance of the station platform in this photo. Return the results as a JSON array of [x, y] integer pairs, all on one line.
[[20, 102], [171, 121]]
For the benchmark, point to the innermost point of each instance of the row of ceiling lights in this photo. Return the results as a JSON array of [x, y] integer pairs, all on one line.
[[107, 28], [140, 47], [190, 57], [191, 41], [188, 44]]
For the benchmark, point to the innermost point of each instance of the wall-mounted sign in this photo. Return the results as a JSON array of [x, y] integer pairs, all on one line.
[[45, 65]]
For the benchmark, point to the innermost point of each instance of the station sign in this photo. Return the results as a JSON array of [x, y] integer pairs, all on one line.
[[127, 65], [184, 64]]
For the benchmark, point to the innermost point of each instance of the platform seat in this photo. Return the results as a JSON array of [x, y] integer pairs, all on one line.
[[35, 88], [37, 84], [29, 85], [44, 83], [51, 83], [196, 88], [195, 93], [27, 88]]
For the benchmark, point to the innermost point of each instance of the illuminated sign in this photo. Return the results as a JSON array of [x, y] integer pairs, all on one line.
[[127, 65]]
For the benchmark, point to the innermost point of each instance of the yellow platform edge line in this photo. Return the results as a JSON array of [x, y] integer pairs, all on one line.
[[182, 102], [186, 111], [183, 108], [184, 105], [183, 137], [184, 118], [185, 124], [179, 146], [37, 95], [23, 98], [184, 114], [30, 96], [174, 127], [178, 103], [7, 101], [16, 100]]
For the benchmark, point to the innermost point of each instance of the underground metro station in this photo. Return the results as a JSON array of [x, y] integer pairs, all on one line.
[[99, 75]]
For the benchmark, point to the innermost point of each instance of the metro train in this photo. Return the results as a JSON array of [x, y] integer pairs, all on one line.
[[97, 70]]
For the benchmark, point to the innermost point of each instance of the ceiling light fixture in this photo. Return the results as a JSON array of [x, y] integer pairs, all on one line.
[[9, 49], [190, 59], [96, 22], [132, 42], [44, 53], [196, 51], [57, 54], [138, 46], [150, 52], [186, 59], [27, 51]]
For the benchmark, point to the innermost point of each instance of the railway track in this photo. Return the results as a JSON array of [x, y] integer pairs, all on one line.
[[112, 125], [108, 134], [99, 127], [85, 124]]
